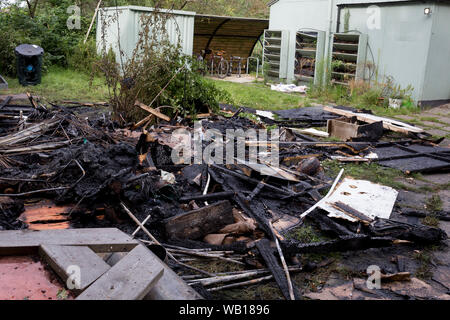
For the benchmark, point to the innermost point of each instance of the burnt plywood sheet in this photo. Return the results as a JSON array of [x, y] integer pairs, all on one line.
[[417, 164], [417, 158], [391, 152], [306, 114]]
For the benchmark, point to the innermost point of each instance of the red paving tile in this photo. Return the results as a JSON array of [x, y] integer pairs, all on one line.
[[26, 278]]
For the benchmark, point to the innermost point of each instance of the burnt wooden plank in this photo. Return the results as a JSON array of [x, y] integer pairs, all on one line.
[[63, 258], [198, 223], [208, 197], [99, 240], [352, 212], [131, 278], [345, 243], [267, 252], [328, 224]]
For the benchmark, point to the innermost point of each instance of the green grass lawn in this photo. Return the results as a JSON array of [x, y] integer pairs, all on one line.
[[63, 84], [259, 96]]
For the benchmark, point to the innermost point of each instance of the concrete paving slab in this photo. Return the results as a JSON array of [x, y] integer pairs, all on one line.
[[437, 178], [437, 132]]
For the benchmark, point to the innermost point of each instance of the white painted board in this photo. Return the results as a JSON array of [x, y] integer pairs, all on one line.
[[371, 199]]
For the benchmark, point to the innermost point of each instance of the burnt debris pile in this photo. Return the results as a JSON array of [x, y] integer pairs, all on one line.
[[238, 211]]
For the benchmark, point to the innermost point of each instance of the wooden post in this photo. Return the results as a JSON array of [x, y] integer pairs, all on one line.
[[92, 22]]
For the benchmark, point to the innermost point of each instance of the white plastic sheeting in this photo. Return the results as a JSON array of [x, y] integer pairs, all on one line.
[[289, 88]]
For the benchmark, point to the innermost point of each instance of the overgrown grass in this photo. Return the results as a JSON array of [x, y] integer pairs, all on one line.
[[305, 234], [365, 99], [259, 96], [63, 84], [434, 204], [424, 269]]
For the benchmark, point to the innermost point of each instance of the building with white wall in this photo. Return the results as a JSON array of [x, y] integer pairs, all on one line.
[[406, 40]]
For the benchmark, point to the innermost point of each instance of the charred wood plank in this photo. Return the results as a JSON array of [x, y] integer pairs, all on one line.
[[328, 224], [267, 252], [251, 180], [405, 231], [208, 197], [5, 102], [444, 216], [346, 243], [256, 191], [352, 212], [242, 201], [198, 223]]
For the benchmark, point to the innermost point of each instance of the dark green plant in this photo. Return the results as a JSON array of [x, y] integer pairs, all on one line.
[[84, 56], [48, 29]]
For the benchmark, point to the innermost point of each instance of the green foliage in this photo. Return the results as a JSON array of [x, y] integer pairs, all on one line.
[[192, 92], [48, 29], [304, 234], [434, 204], [395, 91], [424, 259], [84, 57]]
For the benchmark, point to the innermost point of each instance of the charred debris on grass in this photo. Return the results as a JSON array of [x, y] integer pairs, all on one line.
[[87, 161]]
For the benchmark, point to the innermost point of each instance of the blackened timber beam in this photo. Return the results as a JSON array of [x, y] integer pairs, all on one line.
[[272, 263], [208, 197], [5, 102]]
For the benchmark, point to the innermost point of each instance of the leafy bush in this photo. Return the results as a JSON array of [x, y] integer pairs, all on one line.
[[84, 57], [47, 29]]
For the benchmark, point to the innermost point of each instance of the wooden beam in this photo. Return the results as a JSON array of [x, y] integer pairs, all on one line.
[[92, 22], [266, 252], [5, 102], [198, 223], [99, 240], [62, 258], [131, 278], [154, 112]]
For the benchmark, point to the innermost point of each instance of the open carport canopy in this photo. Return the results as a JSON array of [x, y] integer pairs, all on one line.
[[236, 36]]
